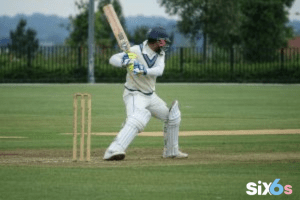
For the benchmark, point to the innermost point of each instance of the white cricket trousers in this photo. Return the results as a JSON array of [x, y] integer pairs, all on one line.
[[135, 100]]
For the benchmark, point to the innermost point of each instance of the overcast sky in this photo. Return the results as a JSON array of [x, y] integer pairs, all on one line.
[[66, 8]]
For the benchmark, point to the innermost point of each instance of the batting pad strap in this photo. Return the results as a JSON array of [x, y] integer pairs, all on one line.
[[139, 119], [174, 114]]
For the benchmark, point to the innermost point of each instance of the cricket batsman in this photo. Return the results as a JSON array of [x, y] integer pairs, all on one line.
[[144, 63]]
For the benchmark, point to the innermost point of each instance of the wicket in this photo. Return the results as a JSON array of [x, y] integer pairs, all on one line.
[[84, 97]]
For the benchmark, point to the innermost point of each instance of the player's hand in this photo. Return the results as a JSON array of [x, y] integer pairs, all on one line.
[[132, 56], [128, 60], [139, 69]]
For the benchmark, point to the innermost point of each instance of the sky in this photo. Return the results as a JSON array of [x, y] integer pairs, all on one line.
[[65, 8]]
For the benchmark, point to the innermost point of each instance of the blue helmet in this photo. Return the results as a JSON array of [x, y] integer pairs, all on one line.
[[159, 33]]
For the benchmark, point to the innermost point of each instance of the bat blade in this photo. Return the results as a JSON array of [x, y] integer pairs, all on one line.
[[116, 27]]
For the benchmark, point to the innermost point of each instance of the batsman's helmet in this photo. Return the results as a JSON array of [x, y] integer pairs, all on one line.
[[159, 33]]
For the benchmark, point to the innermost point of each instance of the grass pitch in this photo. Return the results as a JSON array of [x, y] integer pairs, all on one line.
[[36, 162]]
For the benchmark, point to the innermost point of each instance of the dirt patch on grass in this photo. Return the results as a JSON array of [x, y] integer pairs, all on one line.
[[151, 156], [139, 157]]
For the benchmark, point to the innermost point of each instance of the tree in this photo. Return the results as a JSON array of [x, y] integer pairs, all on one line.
[[190, 13], [140, 34], [23, 42], [79, 26], [103, 33], [264, 29], [218, 19], [222, 22], [256, 25]]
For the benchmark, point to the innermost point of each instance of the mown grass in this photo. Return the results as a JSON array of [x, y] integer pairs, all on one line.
[[41, 113], [28, 109], [220, 181]]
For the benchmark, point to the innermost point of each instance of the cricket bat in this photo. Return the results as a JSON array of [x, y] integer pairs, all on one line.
[[116, 27]]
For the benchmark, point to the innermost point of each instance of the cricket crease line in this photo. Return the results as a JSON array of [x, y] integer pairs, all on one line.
[[12, 137], [198, 133]]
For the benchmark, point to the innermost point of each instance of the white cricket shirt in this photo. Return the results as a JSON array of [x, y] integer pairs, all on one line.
[[153, 62]]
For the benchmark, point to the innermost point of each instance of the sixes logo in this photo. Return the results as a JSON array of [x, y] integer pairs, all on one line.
[[272, 188]]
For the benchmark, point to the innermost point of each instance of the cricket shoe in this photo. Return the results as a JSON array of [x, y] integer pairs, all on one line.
[[114, 155], [178, 155]]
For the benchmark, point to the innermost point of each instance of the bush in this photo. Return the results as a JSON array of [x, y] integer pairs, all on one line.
[[66, 66]]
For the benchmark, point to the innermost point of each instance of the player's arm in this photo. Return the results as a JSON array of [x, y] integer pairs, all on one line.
[[116, 60], [156, 70], [123, 59]]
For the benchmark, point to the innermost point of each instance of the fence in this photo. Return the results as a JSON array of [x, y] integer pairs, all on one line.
[[64, 64]]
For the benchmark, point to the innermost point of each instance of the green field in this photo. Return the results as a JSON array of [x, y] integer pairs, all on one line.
[[37, 165]]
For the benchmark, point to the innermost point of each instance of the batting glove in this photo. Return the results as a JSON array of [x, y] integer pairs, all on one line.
[[139, 68], [128, 60]]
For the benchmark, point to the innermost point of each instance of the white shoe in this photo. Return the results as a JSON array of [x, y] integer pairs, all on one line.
[[114, 155], [178, 155]]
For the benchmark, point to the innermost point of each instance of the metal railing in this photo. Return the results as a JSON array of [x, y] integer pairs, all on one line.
[[69, 64]]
